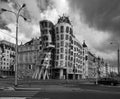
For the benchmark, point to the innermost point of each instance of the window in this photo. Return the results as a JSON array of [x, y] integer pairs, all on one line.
[[57, 30], [26, 58], [86, 58], [71, 47], [40, 42], [71, 31], [57, 45], [62, 37], [40, 47], [71, 58], [46, 31], [30, 66], [62, 29], [57, 37], [45, 24], [57, 51], [47, 44], [57, 57], [61, 56], [56, 63], [50, 25], [62, 50], [67, 29], [71, 41], [70, 38], [62, 43], [46, 38], [65, 57], [66, 37], [61, 63], [71, 53]]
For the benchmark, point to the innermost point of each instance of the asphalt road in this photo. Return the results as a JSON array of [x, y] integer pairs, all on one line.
[[76, 95], [86, 91], [84, 94]]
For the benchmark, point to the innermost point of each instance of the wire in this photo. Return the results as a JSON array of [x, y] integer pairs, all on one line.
[[8, 34]]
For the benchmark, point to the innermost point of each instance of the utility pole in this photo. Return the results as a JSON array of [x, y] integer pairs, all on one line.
[[16, 49], [118, 60]]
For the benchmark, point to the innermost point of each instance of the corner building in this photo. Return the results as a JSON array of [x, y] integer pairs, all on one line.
[[64, 50], [7, 58]]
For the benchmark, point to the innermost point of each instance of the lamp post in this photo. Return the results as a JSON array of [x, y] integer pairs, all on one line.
[[17, 14], [118, 57]]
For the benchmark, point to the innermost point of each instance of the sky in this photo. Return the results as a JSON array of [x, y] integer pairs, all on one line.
[[95, 21]]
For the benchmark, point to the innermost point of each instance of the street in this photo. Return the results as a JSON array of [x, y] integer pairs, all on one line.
[[76, 95], [62, 90], [83, 94]]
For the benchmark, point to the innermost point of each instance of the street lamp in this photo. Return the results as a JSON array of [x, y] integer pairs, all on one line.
[[118, 50], [17, 14]]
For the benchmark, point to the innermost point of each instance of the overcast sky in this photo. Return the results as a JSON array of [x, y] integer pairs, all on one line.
[[95, 21]]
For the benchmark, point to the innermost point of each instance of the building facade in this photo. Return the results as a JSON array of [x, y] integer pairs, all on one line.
[[27, 57], [45, 62], [68, 59], [90, 63], [68, 51], [32, 55], [7, 58], [77, 58]]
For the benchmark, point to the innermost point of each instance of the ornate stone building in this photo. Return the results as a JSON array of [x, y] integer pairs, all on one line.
[[27, 57]]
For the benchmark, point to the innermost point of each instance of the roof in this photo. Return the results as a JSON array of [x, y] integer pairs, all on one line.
[[64, 19], [84, 44]]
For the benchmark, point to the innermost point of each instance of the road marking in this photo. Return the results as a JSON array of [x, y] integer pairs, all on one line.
[[100, 91], [109, 86], [12, 97]]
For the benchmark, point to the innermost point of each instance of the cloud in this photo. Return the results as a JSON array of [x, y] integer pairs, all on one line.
[[95, 21], [100, 14], [98, 24], [3, 26]]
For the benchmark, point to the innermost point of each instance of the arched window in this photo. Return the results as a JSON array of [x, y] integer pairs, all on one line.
[[62, 29], [67, 29]]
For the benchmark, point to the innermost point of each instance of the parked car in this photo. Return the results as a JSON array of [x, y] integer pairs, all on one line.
[[2, 76], [108, 81], [8, 89]]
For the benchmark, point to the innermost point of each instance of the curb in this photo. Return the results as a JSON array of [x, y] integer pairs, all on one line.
[[28, 89]]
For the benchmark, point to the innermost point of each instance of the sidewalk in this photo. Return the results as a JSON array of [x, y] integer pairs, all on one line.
[[46, 88]]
